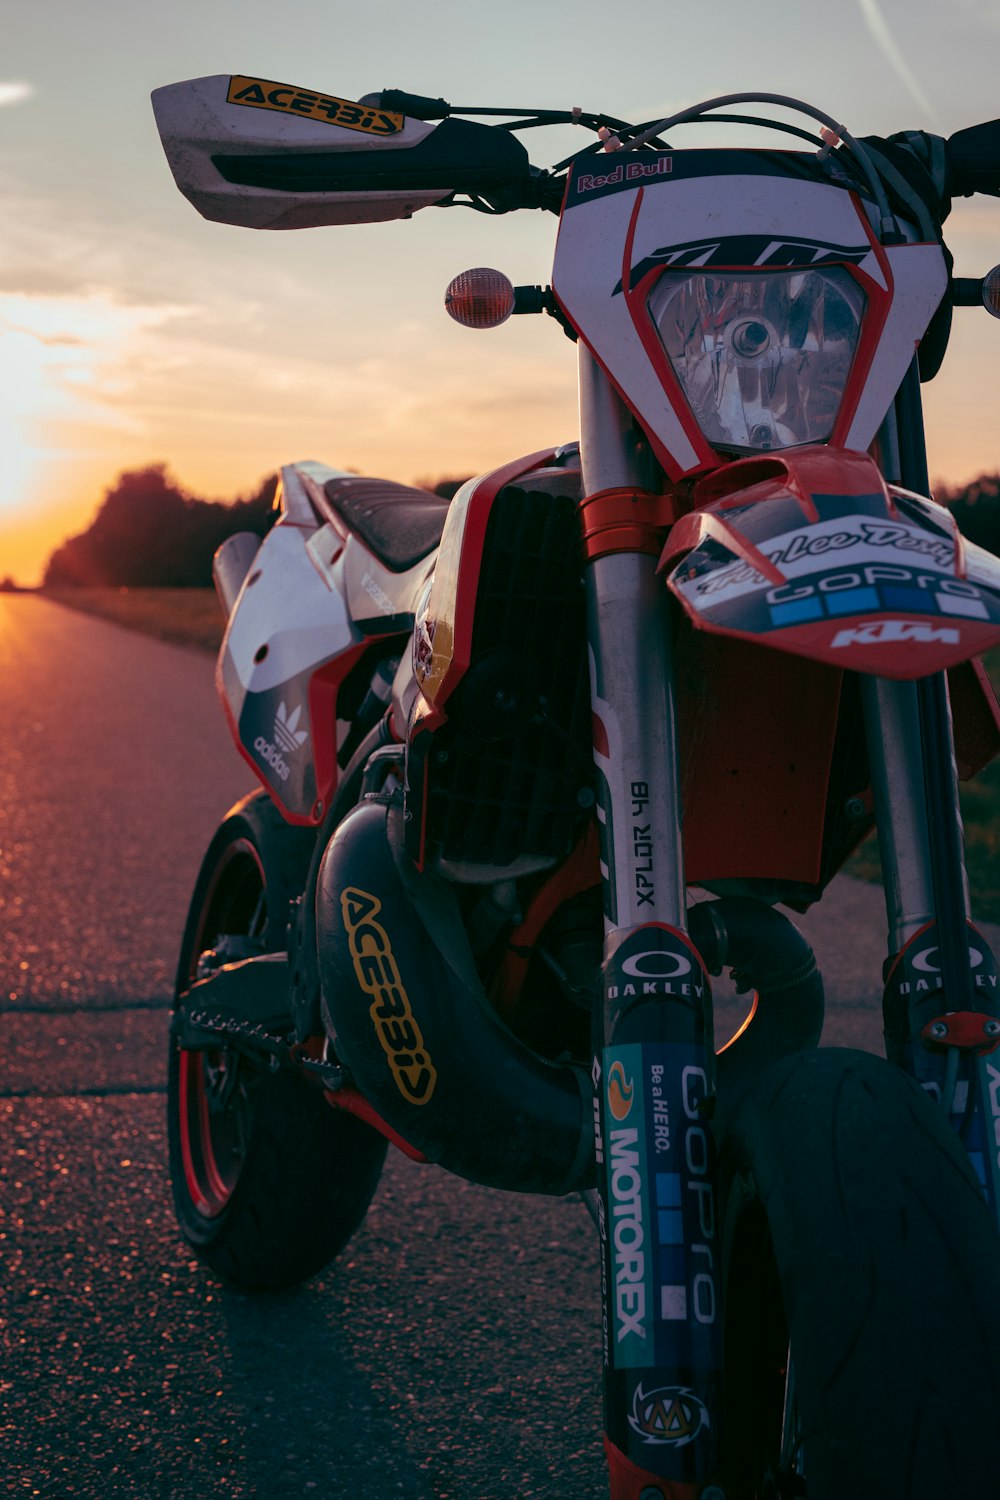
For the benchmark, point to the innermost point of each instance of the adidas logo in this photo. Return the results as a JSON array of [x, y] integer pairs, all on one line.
[[286, 729], [289, 737]]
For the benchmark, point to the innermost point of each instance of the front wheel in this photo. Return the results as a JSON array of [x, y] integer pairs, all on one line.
[[269, 1182], [861, 1292]]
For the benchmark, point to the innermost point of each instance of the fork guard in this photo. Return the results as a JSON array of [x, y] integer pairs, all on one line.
[[407, 1013]]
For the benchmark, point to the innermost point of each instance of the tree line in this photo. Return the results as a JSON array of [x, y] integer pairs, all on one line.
[[149, 533], [976, 508]]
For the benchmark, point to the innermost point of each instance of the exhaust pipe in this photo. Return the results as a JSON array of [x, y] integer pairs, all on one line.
[[408, 1015]]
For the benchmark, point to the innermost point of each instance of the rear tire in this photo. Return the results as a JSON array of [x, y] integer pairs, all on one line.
[[856, 1241], [269, 1182]]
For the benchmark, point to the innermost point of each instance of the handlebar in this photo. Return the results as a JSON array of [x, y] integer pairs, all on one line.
[[971, 156]]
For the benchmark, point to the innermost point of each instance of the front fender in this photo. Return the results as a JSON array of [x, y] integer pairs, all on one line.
[[812, 553]]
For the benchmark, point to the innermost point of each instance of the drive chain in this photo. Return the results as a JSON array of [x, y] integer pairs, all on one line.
[[283, 1052]]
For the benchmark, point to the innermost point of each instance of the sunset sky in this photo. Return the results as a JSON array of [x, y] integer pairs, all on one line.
[[133, 331]]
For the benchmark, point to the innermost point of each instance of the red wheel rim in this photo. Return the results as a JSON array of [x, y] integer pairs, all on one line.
[[215, 1088]]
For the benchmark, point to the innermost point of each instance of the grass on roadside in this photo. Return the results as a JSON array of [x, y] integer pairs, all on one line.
[[185, 617]]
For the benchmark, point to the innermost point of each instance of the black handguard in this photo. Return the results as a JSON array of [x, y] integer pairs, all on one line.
[[460, 155], [923, 173], [974, 160], [914, 166]]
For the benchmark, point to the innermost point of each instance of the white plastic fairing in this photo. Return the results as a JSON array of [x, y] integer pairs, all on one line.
[[718, 214], [231, 564], [919, 281], [588, 264], [293, 611], [205, 118]]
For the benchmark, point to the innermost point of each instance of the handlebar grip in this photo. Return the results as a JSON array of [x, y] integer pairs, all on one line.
[[966, 291], [974, 159], [417, 106]]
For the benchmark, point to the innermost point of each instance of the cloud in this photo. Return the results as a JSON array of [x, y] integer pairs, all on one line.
[[67, 244], [65, 362], [15, 93], [986, 12], [882, 36]]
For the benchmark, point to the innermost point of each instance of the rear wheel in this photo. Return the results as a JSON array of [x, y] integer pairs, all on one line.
[[861, 1296], [269, 1182]]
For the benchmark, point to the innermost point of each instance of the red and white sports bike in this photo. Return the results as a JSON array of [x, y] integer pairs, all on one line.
[[501, 740]]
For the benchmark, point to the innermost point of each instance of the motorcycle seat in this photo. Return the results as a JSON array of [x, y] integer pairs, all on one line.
[[396, 522]]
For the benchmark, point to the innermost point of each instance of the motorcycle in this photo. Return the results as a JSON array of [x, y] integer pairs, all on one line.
[[538, 762]]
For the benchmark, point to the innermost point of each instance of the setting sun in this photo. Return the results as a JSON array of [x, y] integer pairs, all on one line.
[[64, 373]]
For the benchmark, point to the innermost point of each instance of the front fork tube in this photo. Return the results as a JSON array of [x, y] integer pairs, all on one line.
[[653, 1065], [940, 1005]]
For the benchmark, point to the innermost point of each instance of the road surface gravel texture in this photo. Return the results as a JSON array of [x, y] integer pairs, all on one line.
[[451, 1354]]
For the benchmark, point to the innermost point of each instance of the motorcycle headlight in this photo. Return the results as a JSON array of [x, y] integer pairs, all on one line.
[[763, 358]]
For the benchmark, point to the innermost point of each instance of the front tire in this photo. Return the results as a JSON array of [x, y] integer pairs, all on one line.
[[861, 1292], [269, 1182]]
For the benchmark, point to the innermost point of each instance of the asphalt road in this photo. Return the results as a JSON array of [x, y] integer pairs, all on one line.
[[451, 1354]]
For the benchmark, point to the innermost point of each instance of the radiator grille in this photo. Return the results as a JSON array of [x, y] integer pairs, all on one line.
[[511, 773]]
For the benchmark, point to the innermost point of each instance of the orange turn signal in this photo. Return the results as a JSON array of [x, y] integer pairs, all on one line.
[[481, 298]]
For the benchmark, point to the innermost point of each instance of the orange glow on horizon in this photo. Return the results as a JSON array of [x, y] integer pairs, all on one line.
[[59, 494], [91, 386]]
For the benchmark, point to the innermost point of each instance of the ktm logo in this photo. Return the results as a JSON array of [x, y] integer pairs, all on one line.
[[621, 1092], [671, 1416], [379, 977], [895, 632]]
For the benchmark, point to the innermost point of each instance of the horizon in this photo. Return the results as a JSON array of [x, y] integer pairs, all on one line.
[[131, 329]]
